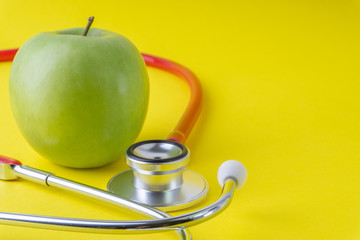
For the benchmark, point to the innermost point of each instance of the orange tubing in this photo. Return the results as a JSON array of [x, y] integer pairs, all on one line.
[[182, 130], [191, 114], [7, 55]]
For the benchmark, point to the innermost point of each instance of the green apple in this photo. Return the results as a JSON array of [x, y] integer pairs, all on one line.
[[79, 101]]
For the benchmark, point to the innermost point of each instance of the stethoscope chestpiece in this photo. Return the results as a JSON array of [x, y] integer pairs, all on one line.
[[158, 177]]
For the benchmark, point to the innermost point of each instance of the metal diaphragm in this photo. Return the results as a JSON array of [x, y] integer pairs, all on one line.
[[158, 177]]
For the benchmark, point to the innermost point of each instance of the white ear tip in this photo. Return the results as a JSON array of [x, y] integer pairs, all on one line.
[[232, 169]]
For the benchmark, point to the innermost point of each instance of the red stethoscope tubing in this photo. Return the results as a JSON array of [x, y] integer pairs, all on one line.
[[192, 111]]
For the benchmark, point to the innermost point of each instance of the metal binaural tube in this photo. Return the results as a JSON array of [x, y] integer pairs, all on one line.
[[229, 176], [49, 179], [101, 226], [31, 174]]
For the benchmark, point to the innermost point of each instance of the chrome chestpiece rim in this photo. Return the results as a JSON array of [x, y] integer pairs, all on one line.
[[158, 177]]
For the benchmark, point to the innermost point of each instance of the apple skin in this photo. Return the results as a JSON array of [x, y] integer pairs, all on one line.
[[79, 101]]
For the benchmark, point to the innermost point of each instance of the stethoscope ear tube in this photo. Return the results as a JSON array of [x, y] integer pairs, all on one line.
[[163, 223], [11, 169]]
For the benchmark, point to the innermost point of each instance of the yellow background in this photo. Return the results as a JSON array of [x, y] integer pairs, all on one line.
[[281, 85]]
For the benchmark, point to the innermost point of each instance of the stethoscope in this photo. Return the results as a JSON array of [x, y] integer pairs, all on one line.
[[157, 181]]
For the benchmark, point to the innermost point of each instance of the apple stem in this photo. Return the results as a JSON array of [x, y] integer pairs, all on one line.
[[90, 21]]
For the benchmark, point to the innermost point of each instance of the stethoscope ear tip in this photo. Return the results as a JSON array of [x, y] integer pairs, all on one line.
[[232, 169]]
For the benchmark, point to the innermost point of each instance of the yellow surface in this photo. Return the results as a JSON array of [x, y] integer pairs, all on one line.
[[281, 83]]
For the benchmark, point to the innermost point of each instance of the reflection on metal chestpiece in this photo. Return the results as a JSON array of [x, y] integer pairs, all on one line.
[[158, 177]]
